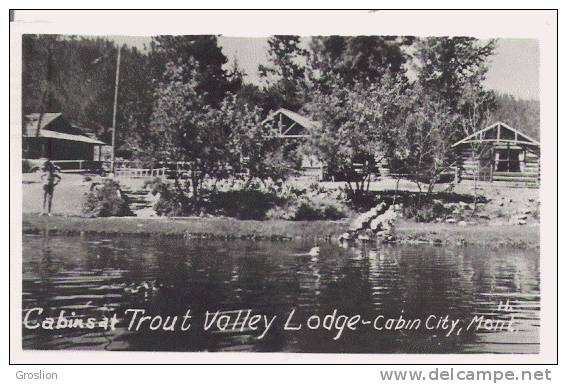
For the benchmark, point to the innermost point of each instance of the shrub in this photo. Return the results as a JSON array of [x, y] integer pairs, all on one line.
[[361, 201], [424, 214], [152, 183], [259, 201], [171, 202], [309, 208], [307, 211], [242, 204], [105, 200]]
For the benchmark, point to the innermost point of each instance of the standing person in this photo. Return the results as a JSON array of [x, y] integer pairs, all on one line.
[[50, 179]]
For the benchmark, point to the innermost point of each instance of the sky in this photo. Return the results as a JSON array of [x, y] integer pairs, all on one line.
[[513, 68]]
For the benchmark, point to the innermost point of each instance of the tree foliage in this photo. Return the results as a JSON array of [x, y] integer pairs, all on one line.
[[285, 76], [447, 65], [357, 124], [203, 54], [358, 58], [425, 146], [213, 143]]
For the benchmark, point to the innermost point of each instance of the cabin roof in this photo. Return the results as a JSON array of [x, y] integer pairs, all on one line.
[[67, 136], [495, 133], [30, 130], [32, 119], [297, 119]]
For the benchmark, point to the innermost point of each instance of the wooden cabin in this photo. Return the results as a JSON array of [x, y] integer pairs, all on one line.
[[57, 139], [499, 153], [294, 127]]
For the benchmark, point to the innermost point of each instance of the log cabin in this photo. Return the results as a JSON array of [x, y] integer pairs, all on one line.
[[499, 153], [296, 128]]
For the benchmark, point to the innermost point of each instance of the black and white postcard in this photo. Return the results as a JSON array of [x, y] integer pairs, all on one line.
[[326, 186]]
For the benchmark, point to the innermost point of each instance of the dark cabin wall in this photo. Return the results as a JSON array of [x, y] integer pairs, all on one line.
[[71, 150], [32, 147], [35, 148], [530, 174]]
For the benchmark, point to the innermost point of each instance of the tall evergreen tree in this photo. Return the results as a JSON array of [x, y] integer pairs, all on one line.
[[358, 58], [447, 66], [285, 76], [205, 58]]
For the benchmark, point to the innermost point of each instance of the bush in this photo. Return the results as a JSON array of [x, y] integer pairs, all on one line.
[[242, 204], [104, 200], [309, 208], [153, 183], [171, 202], [424, 214], [259, 201]]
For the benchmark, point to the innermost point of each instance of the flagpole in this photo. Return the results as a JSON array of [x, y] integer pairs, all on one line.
[[114, 111]]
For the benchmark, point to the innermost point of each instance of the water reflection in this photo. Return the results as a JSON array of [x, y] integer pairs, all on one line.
[[95, 276]]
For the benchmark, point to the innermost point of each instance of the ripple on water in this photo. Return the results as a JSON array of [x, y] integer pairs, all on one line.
[[89, 275]]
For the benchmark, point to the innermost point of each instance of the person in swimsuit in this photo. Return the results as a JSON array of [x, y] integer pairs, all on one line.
[[50, 179]]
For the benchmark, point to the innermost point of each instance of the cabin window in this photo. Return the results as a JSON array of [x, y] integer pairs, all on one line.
[[507, 160]]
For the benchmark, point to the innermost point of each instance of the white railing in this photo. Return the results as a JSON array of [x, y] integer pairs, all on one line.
[[139, 172], [78, 165]]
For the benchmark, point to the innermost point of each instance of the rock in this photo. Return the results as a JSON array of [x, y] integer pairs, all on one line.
[[522, 222], [462, 223], [356, 226]]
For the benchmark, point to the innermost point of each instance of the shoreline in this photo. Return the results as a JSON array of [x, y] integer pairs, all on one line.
[[280, 230]]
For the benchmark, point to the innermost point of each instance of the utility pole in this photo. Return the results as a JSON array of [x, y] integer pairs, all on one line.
[[114, 111]]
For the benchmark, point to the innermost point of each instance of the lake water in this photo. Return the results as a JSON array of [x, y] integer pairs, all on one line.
[[93, 276]]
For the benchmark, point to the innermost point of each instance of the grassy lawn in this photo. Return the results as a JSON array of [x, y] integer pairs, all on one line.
[[227, 228], [200, 227], [68, 194], [493, 236]]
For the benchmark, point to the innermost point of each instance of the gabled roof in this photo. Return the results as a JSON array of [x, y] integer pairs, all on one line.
[[297, 119], [498, 132], [32, 119], [72, 134], [67, 136]]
